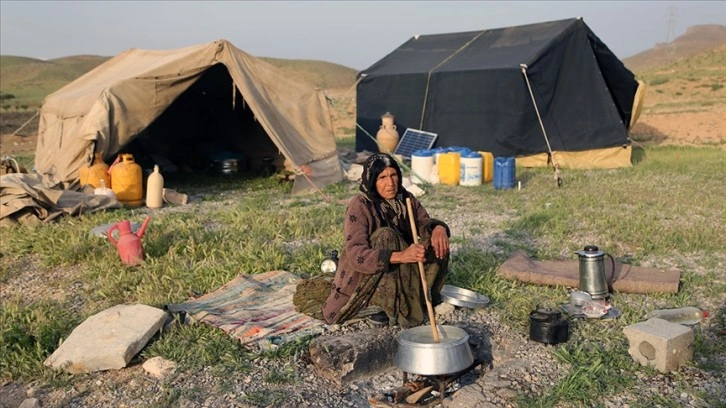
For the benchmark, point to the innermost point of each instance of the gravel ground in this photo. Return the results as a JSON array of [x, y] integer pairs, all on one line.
[[513, 365]]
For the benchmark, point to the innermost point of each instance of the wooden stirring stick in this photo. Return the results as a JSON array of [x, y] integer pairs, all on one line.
[[421, 271]]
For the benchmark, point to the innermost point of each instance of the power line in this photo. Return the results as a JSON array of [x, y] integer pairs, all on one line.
[[670, 47]]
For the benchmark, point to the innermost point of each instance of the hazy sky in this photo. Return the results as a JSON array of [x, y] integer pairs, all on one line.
[[350, 33]]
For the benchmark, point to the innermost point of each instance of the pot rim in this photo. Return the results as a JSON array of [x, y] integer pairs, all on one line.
[[444, 342], [439, 345]]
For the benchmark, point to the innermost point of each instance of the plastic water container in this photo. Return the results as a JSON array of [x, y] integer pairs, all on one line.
[[487, 167], [422, 162], [438, 151], [449, 166], [95, 172], [504, 173], [127, 181], [471, 171], [463, 151]]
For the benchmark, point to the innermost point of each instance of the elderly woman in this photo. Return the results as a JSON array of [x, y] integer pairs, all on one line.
[[378, 271]]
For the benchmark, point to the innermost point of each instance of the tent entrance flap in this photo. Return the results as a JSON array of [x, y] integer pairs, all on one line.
[[207, 123]]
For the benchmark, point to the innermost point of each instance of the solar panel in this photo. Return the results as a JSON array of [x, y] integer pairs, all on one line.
[[413, 140]]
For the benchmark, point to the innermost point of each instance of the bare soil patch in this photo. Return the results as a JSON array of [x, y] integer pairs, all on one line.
[[705, 127]]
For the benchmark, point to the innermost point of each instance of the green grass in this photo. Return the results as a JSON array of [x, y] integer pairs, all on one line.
[[666, 211]]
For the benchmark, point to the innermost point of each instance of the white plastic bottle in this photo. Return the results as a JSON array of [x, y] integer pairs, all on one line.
[[684, 315], [155, 189]]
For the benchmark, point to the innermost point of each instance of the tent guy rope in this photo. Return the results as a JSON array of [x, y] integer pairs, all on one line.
[[556, 166], [26, 123], [400, 162], [428, 78]]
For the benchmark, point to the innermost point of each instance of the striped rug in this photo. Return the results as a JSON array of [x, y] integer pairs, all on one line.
[[254, 309]]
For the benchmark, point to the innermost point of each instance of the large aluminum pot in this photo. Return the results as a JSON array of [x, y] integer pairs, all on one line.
[[418, 353]]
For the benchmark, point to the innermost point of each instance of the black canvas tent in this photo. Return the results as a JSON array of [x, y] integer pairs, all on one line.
[[473, 90]]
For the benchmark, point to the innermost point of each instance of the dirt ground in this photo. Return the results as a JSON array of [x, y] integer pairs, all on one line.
[[706, 126]]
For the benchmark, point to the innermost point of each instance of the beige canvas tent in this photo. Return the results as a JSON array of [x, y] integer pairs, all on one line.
[[185, 106]]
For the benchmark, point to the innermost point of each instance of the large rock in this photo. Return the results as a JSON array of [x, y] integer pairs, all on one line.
[[344, 358], [11, 394], [159, 367], [108, 340]]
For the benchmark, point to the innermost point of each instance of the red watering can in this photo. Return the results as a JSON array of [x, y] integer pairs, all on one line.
[[128, 244]]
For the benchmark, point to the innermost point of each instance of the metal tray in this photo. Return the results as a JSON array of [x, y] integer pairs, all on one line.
[[613, 312], [463, 297]]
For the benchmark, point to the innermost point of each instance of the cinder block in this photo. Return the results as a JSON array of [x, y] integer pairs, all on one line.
[[660, 344]]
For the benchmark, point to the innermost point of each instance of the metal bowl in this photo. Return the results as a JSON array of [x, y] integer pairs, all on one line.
[[418, 353], [463, 297]]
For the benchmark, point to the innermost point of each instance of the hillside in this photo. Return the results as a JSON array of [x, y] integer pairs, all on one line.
[[25, 82], [322, 74], [684, 103], [696, 40]]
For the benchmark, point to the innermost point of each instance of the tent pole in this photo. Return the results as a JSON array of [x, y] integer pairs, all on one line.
[[541, 124]]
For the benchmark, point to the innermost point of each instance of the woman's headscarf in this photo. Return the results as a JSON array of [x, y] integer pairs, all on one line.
[[392, 212]]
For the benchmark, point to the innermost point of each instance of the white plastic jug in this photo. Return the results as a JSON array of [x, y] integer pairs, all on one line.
[[471, 169], [422, 162]]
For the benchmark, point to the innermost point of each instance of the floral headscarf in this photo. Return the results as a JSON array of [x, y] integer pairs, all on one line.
[[392, 212]]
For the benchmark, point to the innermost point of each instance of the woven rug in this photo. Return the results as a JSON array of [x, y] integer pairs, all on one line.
[[254, 309]]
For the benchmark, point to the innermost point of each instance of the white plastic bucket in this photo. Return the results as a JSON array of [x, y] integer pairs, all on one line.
[[471, 169], [422, 162]]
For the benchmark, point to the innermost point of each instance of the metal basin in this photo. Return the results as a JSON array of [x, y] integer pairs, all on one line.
[[463, 297], [418, 353]]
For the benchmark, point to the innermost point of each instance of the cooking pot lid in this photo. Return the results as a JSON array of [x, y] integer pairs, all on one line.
[[463, 297]]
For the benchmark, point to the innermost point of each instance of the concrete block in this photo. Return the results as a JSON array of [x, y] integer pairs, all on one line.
[[108, 340], [344, 358], [660, 344]]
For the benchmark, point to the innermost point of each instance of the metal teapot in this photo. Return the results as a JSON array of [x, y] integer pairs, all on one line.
[[592, 271]]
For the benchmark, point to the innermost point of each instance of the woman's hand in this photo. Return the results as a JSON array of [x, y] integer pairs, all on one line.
[[439, 241], [414, 253]]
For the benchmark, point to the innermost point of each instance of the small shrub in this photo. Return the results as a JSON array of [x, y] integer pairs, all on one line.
[[658, 81], [716, 87]]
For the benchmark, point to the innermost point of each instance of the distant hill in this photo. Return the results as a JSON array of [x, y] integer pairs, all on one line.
[[323, 75], [25, 82], [696, 40]]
